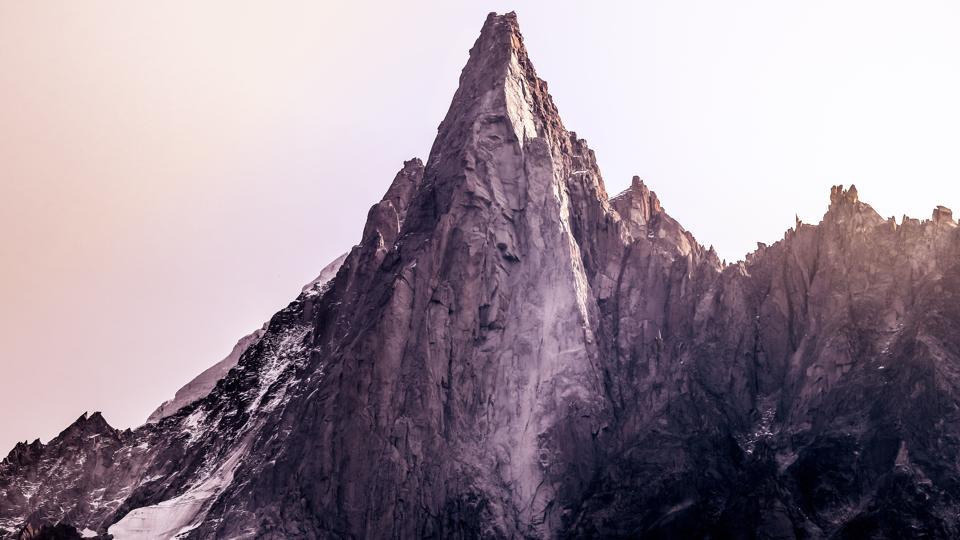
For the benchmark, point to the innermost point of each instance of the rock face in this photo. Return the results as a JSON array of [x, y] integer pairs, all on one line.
[[510, 353]]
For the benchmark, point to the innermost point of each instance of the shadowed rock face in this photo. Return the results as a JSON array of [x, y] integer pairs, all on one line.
[[509, 353]]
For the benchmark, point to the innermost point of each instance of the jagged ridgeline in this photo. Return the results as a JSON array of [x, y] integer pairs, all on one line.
[[509, 353]]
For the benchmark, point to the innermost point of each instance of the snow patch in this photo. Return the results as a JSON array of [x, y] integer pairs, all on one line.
[[286, 350], [177, 516], [319, 285], [192, 423]]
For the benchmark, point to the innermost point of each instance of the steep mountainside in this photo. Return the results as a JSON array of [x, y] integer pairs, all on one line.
[[202, 384], [509, 353]]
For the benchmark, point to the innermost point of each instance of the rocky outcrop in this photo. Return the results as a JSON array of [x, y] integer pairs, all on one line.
[[942, 214], [510, 353], [42, 485]]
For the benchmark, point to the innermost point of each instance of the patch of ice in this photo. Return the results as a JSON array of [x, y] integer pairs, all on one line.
[[181, 514], [87, 533]]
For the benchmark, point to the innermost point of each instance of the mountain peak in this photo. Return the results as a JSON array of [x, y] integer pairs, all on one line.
[[638, 205], [839, 195], [497, 24], [846, 207], [499, 39], [499, 45], [88, 424], [942, 214], [498, 81], [510, 353]]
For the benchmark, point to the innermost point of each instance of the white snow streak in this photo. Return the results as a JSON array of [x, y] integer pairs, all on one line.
[[176, 517], [181, 514]]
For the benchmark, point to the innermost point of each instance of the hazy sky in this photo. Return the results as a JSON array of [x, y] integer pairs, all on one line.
[[172, 172]]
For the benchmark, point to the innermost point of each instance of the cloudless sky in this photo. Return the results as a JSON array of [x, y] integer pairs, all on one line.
[[172, 172]]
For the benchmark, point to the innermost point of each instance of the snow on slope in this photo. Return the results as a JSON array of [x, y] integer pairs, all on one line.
[[177, 516], [283, 353], [202, 384], [329, 272]]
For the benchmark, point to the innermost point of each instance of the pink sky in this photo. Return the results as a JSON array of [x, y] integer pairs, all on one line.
[[171, 173]]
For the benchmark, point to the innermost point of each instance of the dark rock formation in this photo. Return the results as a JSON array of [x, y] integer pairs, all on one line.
[[509, 353]]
